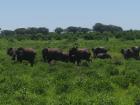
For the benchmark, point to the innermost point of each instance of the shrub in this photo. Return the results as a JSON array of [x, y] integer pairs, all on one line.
[[88, 37], [128, 37], [72, 38], [117, 61]]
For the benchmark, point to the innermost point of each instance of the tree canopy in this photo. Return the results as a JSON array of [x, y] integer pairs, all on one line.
[[99, 27]]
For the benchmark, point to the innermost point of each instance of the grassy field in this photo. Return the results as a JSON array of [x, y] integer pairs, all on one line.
[[102, 82]]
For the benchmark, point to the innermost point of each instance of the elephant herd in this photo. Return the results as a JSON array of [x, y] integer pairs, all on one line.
[[74, 55]]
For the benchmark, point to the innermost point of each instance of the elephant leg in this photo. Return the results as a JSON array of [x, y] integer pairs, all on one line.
[[73, 62], [89, 60], [20, 60], [44, 58], [13, 58], [32, 62], [78, 62], [49, 60]]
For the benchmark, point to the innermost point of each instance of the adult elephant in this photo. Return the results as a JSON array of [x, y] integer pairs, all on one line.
[[49, 54], [128, 53], [98, 50], [76, 55], [136, 51], [65, 57], [27, 54]]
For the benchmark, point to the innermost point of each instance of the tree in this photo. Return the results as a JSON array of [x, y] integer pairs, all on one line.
[[0, 31], [7, 32], [72, 29], [84, 30], [59, 30], [113, 28], [43, 30], [99, 27], [32, 30], [21, 31]]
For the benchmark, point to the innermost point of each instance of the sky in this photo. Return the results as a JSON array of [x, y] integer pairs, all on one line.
[[63, 13]]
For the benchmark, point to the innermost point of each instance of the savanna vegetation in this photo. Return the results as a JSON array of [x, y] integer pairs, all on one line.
[[98, 32], [102, 82]]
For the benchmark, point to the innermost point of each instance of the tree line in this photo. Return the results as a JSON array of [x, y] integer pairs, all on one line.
[[98, 31]]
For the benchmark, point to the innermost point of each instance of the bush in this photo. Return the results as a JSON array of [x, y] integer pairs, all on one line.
[[128, 37], [88, 37], [117, 61], [96, 36]]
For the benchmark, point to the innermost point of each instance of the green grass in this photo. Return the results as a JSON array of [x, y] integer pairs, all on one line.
[[102, 82]]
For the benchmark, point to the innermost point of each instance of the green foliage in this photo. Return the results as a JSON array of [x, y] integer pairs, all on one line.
[[7, 33], [59, 30], [133, 77], [100, 82], [99, 86], [99, 27], [100, 32], [112, 70], [137, 100], [74, 30], [121, 81], [97, 36], [106, 100]]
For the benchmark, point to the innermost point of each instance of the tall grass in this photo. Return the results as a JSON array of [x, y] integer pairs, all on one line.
[[102, 82]]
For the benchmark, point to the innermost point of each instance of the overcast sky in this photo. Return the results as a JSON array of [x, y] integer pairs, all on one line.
[[64, 13]]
